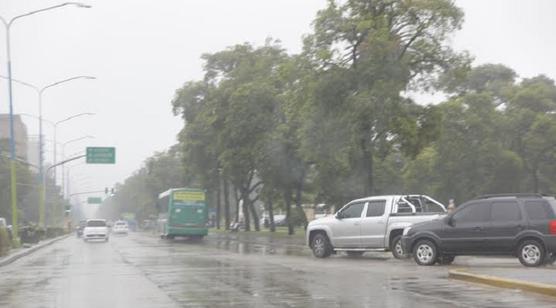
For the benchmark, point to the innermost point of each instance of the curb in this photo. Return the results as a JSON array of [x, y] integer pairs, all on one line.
[[9, 259], [540, 288]]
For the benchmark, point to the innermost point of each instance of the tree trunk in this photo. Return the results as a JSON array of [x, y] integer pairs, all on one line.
[[368, 168], [288, 200], [535, 176], [298, 204], [245, 208], [226, 205], [238, 199], [271, 215], [255, 216], [218, 201]]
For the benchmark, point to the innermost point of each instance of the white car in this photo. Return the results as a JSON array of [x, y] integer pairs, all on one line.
[[120, 227], [96, 229]]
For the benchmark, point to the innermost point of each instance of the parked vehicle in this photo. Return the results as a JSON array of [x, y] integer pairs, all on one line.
[[96, 229], [371, 223], [522, 225], [120, 227], [3, 223]]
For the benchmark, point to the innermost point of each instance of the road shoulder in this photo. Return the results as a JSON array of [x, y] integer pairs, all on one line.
[[13, 256]]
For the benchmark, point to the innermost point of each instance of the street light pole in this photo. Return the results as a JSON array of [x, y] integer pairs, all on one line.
[[56, 129], [40, 91], [64, 156], [13, 175]]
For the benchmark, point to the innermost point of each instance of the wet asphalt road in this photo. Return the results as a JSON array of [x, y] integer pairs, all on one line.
[[144, 271]]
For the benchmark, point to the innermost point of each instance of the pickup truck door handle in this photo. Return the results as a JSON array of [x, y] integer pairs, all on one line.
[[356, 223], [477, 228]]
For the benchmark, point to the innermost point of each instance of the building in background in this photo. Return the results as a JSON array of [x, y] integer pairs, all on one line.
[[20, 134], [33, 150]]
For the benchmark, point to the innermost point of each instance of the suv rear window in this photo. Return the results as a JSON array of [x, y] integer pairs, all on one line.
[[537, 210], [96, 223], [552, 202]]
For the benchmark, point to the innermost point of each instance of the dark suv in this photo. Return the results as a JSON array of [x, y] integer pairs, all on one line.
[[522, 225]]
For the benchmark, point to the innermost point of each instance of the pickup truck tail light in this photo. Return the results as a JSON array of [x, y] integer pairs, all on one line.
[[552, 227]]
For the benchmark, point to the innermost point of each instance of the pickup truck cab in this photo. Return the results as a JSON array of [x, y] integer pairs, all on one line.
[[372, 223]]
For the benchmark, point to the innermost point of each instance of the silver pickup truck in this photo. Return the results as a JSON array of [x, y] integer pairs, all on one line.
[[372, 223]]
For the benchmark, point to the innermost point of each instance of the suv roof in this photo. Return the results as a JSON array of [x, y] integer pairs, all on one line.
[[516, 195]]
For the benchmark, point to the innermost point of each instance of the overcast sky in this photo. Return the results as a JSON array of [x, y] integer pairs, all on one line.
[[141, 51]]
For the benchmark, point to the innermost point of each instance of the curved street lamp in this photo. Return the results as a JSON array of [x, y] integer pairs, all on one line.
[[13, 175], [43, 191]]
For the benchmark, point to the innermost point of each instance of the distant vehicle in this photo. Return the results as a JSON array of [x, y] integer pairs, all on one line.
[[182, 212], [279, 220], [371, 223], [96, 229], [3, 223], [80, 227], [120, 227], [522, 225]]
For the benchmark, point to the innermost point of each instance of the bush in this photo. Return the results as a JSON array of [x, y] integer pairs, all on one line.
[[29, 234], [52, 232], [5, 242]]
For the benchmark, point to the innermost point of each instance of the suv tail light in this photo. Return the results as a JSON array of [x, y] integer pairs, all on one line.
[[552, 227]]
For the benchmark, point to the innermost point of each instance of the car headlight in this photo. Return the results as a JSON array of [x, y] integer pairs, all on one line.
[[406, 230]]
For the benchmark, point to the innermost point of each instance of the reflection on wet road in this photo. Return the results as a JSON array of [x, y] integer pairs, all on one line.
[[144, 271]]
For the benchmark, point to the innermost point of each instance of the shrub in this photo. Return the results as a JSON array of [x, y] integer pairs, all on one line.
[[4, 241]]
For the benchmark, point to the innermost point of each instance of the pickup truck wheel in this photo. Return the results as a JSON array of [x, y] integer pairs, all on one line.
[[531, 253], [355, 253], [425, 252], [397, 249], [321, 246]]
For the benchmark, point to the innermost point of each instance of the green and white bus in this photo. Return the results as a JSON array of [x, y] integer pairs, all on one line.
[[182, 212]]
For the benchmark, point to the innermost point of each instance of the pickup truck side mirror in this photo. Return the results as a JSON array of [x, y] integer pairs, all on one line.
[[339, 215]]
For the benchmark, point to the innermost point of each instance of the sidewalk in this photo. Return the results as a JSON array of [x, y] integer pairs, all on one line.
[[15, 254], [540, 280]]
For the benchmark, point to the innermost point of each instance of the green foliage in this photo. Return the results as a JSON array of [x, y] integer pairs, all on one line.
[[138, 194], [5, 242], [335, 123]]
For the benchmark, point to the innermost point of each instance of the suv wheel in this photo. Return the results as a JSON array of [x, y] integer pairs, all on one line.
[[321, 246], [531, 253], [425, 252], [397, 249]]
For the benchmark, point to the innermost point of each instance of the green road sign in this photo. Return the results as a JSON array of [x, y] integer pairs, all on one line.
[[94, 200], [101, 155]]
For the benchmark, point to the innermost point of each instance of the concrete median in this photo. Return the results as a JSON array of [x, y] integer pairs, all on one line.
[[540, 288]]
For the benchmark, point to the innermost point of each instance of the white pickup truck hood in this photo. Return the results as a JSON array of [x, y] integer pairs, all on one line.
[[322, 220]]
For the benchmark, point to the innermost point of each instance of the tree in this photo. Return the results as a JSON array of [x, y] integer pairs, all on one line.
[[367, 54]]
